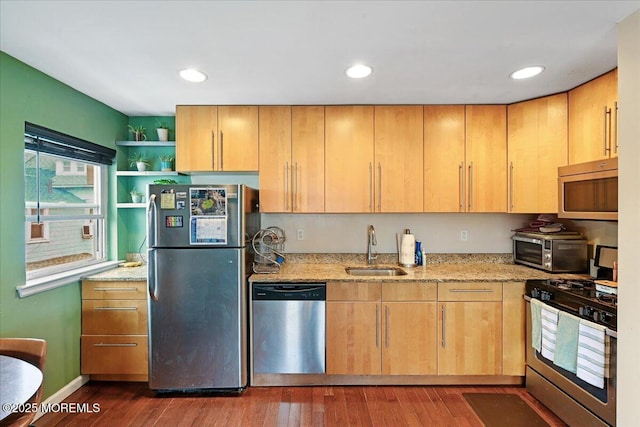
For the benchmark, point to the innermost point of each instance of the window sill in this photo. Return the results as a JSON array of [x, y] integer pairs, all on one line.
[[52, 281]]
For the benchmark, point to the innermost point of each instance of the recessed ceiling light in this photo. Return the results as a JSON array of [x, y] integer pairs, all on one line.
[[193, 75], [359, 71], [526, 72]]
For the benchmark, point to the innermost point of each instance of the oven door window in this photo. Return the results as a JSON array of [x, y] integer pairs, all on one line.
[[529, 252]]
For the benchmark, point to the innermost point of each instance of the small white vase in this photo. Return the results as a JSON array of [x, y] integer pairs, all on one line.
[[136, 198], [141, 166], [163, 134]]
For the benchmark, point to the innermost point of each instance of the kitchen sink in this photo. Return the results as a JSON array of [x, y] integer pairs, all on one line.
[[375, 271]]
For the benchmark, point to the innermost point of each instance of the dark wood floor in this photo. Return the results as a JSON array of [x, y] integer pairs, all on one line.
[[132, 404]]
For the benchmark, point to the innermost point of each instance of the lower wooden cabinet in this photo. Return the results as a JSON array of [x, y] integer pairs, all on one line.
[[470, 328], [114, 342], [451, 328], [387, 328]]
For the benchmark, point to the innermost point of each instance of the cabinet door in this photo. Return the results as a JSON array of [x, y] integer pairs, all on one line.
[[409, 338], [349, 159], [196, 130], [513, 327], [398, 159], [238, 145], [592, 119], [307, 157], [470, 338], [486, 154], [275, 159], [444, 158], [537, 132], [353, 338]]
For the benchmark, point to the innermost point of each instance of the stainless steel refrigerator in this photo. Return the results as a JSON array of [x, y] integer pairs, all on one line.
[[199, 259]]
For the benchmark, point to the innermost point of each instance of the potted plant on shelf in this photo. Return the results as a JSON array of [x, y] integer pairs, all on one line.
[[138, 133], [136, 196], [166, 163], [163, 131], [139, 161]]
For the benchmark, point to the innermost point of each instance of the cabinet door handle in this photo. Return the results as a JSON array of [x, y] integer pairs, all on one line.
[[220, 159], [295, 187], [470, 186], [615, 126], [386, 326], [471, 290], [444, 326], [286, 186], [379, 187], [606, 126], [115, 308], [461, 185], [115, 289], [377, 326], [370, 187], [126, 344], [511, 187], [213, 149]]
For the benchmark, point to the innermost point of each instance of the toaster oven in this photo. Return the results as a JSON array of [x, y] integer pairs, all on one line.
[[562, 252]]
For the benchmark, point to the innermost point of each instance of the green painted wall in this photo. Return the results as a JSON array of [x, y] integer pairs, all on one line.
[[29, 95]]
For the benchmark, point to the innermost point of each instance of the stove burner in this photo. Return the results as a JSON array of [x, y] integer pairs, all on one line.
[[571, 283], [607, 298]]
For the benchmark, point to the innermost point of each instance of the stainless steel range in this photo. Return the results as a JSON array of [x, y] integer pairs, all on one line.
[[573, 399]]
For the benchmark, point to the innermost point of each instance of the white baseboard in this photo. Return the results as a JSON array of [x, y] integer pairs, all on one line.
[[64, 392]]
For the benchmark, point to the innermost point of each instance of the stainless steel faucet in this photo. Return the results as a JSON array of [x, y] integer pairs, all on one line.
[[371, 242]]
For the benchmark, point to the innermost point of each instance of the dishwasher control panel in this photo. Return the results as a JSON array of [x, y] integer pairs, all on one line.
[[289, 292]]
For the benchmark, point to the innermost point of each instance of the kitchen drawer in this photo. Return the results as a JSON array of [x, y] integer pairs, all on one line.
[[409, 291], [114, 354], [470, 291], [353, 291], [114, 289], [114, 317]]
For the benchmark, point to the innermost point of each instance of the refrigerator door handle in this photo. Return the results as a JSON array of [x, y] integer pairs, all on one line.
[[152, 221], [153, 275]]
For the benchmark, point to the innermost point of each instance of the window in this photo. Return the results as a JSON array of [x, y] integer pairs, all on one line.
[[65, 202]]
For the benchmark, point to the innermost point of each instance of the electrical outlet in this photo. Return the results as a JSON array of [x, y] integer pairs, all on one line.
[[300, 234], [464, 235]]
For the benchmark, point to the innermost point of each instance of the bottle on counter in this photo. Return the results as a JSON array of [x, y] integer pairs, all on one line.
[[419, 259]]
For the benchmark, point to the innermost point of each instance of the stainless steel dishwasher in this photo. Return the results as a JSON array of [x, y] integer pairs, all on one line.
[[288, 328]]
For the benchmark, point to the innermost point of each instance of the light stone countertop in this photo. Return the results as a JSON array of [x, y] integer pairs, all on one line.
[[299, 272], [331, 267]]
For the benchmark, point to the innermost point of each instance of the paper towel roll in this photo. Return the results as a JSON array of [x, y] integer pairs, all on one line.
[[408, 250]]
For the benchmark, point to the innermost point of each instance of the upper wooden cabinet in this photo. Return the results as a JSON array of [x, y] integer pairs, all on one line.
[[444, 184], [349, 136], [486, 158], [292, 159], [593, 119], [465, 152], [537, 139], [398, 152], [216, 139]]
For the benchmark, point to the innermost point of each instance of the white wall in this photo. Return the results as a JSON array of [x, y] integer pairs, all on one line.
[[440, 233], [629, 221]]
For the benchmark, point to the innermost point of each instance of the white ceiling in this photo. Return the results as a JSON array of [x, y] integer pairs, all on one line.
[[127, 53]]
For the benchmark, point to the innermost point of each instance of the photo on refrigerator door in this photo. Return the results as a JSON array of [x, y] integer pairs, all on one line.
[[208, 216]]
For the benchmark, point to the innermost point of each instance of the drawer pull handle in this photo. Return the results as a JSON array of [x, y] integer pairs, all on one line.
[[126, 344], [116, 308], [115, 289], [472, 290]]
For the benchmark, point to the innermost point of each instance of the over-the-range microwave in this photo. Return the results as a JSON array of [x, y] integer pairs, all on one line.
[[589, 190]]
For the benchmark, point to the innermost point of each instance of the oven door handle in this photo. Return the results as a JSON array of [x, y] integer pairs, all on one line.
[[607, 331]]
